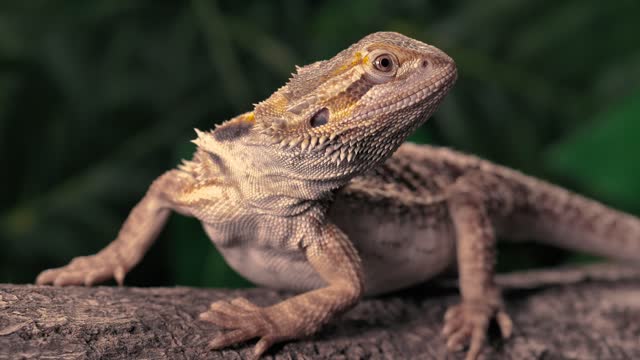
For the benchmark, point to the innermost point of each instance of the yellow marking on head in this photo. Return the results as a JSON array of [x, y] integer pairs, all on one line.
[[357, 60], [250, 117]]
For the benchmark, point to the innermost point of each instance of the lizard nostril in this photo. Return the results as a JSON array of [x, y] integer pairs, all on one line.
[[425, 63]]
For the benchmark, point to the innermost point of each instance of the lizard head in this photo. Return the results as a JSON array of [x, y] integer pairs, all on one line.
[[342, 116]]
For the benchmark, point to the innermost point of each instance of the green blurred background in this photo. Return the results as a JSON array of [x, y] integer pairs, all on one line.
[[99, 97]]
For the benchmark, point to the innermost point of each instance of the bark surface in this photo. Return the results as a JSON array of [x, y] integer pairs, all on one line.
[[579, 313]]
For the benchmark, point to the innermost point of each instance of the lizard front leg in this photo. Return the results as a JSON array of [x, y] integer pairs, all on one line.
[[136, 235], [335, 259], [468, 322]]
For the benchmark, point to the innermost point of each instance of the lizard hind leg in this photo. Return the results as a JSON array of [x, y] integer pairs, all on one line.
[[467, 323]]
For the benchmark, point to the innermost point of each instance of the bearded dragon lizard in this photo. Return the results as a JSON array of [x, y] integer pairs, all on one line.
[[314, 191]]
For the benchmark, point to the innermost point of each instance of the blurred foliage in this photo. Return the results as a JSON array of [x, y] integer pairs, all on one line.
[[99, 97]]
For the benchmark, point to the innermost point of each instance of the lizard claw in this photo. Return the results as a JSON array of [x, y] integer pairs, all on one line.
[[118, 274], [467, 324], [243, 321]]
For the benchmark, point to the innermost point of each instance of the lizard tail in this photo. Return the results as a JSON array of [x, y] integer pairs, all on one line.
[[561, 218]]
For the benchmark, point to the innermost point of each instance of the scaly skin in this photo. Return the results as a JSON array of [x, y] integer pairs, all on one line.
[[313, 191]]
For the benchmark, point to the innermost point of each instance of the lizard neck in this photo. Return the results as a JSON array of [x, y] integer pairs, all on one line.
[[265, 177]]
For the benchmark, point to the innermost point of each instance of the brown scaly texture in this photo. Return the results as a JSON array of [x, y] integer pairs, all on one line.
[[313, 191]]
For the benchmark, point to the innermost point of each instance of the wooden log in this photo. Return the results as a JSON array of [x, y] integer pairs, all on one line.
[[579, 313]]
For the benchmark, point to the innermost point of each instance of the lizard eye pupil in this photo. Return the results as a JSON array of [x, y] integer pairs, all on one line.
[[320, 118], [383, 63]]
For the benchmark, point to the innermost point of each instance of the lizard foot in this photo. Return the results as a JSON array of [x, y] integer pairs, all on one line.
[[244, 320], [86, 270], [467, 324]]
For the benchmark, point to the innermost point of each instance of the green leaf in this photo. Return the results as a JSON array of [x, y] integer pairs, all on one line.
[[603, 157]]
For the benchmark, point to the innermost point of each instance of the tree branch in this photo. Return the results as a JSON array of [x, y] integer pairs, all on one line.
[[579, 313]]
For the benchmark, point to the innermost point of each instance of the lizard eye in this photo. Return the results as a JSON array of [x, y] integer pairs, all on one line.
[[383, 68], [383, 63], [320, 118]]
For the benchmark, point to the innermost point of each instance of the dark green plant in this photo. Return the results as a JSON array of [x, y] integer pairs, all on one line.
[[99, 97]]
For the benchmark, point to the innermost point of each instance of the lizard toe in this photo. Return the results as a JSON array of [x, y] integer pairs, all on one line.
[[505, 324], [66, 278], [229, 338], [466, 324], [47, 277], [457, 340]]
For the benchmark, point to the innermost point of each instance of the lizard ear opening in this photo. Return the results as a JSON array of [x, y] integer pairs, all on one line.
[[320, 118]]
